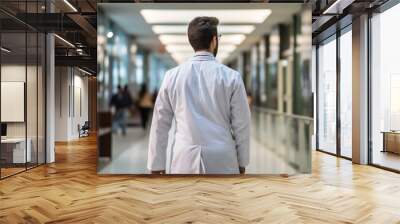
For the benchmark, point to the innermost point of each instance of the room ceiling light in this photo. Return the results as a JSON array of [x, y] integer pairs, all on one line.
[[173, 39], [5, 50], [232, 39], [183, 39], [110, 34], [244, 16], [84, 71], [70, 5], [337, 7], [182, 29], [65, 41]]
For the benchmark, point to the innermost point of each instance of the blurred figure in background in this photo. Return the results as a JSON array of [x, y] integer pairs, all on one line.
[[118, 106], [145, 105], [128, 100]]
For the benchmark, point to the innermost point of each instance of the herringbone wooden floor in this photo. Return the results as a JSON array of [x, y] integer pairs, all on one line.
[[70, 191]]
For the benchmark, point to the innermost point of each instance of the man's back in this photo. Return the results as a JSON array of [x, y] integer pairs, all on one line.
[[208, 101]]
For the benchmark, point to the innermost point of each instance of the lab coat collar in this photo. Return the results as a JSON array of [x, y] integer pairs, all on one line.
[[203, 56]]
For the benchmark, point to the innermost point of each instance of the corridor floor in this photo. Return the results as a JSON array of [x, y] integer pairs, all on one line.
[[130, 156], [70, 191]]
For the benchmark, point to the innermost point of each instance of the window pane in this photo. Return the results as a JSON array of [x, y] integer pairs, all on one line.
[[31, 97], [385, 86], [327, 97], [14, 153], [346, 94]]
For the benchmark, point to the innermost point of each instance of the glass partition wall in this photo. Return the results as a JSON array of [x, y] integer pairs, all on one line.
[[327, 96], [345, 61], [385, 89], [334, 94], [22, 77]]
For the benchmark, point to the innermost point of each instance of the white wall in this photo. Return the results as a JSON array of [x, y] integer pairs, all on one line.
[[16, 73], [12, 73], [71, 94], [33, 126]]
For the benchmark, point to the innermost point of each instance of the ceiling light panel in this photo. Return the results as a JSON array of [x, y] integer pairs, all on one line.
[[64, 40], [243, 16], [70, 5], [5, 50], [173, 39], [182, 29]]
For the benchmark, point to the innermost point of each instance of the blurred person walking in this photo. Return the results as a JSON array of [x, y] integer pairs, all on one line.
[[212, 116], [118, 106], [145, 105], [128, 100]]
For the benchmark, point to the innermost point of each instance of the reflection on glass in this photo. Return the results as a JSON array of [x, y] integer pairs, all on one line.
[[386, 89], [327, 97], [346, 94], [15, 151], [22, 91], [288, 138]]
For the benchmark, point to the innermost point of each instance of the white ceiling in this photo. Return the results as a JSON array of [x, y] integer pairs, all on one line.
[[129, 18]]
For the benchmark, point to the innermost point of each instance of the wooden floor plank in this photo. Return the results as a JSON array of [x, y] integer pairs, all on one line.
[[70, 191]]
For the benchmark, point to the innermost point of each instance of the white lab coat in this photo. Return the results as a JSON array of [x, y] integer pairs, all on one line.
[[209, 103]]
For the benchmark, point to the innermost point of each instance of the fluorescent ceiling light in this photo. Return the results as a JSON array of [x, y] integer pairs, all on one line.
[[5, 50], [246, 29], [187, 48], [232, 38], [182, 29], [173, 39], [70, 5], [179, 47], [183, 39], [65, 41], [84, 71], [225, 16], [338, 6]]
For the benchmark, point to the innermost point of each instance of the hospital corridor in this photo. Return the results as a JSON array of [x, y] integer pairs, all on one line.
[[130, 152], [268, 49]]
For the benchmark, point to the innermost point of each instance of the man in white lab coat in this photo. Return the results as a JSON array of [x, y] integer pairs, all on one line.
[[209, 104]]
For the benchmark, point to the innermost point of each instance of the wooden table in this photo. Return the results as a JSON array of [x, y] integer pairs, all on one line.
[[391, 141]]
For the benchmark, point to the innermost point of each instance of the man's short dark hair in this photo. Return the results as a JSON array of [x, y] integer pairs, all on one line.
[[201, 30]]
